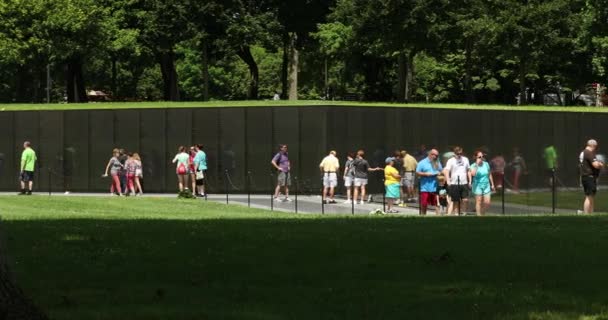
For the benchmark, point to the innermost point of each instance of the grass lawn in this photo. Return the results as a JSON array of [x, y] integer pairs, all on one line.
[[565, 200], [162, 258], [284, 103]]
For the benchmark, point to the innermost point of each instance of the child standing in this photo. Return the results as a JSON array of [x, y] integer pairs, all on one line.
[[442, 195]]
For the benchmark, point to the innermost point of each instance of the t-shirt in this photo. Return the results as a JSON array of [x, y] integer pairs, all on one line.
[[399, 165], [350, 168], [587, 168], [482, 174], [498, 164], [459, 169], [182, 158], [330, 164], [130, 167], [115, 165], [428, 184], [200, 160], [388, 175], [551, 157], [361, 168], [28, 160], [282, 161], [409, 163]]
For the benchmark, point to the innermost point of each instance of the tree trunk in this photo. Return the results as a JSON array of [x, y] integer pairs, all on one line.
[[170, 84], [114, 80], [409, 77], [76, 91], [469, 96], [14, 305], [523, 97], [205, 72], [244, 53], [402, 75], [285, 67], [294, 56]]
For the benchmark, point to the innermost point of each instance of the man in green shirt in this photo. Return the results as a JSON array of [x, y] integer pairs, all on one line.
[[550, 155], [28, 163]]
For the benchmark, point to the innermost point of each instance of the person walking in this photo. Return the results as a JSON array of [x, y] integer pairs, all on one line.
[[456, 173], [349, 176], [590, 167], [482, 183], [362, 168], [498, 165], [329, 166], [192, 168], [391, 184], [181, 168], [280, 161], [427, 170], [28, 165], [200, 164], [139, 174], [518, 165], [122, 173], [130, 169], [550, 156], [409, 175], [114, 167]]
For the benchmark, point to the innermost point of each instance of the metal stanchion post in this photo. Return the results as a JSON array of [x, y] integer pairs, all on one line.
[[271, 192], [352, 199], [226, 184], [553, 191], [249, 189], [419, 199], [502, 191], [296, 193]]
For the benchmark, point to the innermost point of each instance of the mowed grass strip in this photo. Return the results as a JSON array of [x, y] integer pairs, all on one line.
[[286, 103], [163, 258]]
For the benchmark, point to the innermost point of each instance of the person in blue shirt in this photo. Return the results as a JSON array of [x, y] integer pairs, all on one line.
[[428, 169], [200, 164], [481, 182]]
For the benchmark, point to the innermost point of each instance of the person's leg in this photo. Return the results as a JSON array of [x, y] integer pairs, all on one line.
[[478, 200], [286, 191], [204, 181], [356, 194], [193, 182], [486, 203], [331, 193], [277, 190], [30, 186], [348, 195], [363, 193], [138, 184], [516, 175], [588, 204], [324, 194], [180, 183], [389, 204], [423, 202]]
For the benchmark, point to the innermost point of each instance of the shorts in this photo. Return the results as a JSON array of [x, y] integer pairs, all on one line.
[[428, 198], [589, 185], [458, 192], [360, 182], [482, 190], [348, 181], [443, 201], [330, 180], [284, 179], [408, 180], [393, 191], [27, 176]]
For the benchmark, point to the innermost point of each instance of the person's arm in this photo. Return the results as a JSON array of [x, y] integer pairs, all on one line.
[[274, 162], [491, 182], [471, 174], [597, 164], [174, 159], [396, 175], [23, 161], [108, 168]]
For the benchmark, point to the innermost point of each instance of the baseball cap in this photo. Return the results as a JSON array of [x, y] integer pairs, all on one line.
[[389, 159], [592, 142]]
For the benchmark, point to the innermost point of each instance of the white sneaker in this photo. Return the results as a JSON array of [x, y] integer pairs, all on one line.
[[287, 199], [278, 199], [369, 199], [579, 211], [67, 192], [360, 202], [347, 201]]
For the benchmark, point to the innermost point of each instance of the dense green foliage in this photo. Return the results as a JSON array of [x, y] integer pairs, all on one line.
[[387, 50], [163, 258]]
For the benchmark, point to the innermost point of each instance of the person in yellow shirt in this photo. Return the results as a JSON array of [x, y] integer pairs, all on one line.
[[329, 167], [391, 184], [409, 174]]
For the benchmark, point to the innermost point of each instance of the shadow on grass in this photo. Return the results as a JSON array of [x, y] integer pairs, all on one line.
[[342, 268]]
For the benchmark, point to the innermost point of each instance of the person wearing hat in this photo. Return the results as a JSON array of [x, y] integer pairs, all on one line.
[[329, 167], [590, 171], [391, 184], [428, 169]]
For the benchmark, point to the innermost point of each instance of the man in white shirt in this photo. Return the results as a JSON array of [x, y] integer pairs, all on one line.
[[329, 166], [456, 173]]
